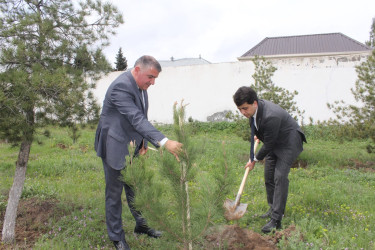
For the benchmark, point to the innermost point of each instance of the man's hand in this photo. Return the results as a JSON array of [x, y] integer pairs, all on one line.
[[174, 147], [250, 165], [142, 151]]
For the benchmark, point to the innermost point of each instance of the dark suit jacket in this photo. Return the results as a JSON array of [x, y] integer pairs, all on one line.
[[279, 132], [123, 119]]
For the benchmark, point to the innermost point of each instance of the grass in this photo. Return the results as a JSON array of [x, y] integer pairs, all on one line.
[[330, 201]]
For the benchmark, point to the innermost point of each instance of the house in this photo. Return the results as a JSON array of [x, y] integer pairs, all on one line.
[[331, 44], [320, 67]]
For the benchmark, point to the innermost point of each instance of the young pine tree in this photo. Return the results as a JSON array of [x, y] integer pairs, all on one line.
[[178, 200]]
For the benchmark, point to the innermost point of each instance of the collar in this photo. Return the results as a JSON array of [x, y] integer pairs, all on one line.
[[255, 114], [255, 118]]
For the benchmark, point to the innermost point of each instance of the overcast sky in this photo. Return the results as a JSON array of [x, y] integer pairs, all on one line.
[[221, 31]]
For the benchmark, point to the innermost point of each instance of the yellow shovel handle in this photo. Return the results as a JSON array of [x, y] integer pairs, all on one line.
[[238, 197]]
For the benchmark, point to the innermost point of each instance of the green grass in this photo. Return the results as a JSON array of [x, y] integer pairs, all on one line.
[[331, 201]]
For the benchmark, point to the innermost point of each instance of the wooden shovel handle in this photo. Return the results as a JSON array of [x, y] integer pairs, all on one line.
[[238, 197]]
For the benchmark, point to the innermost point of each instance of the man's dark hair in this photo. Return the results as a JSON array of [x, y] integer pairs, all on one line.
[[245, 94], [148, 61]]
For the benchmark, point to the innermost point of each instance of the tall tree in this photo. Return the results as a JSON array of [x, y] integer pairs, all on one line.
[[48, 51], [121, 62], [371, 42], [359, 117]]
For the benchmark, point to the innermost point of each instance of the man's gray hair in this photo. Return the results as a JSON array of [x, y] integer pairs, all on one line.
[[148, 61]]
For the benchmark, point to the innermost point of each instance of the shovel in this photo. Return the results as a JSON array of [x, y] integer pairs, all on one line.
[[234, 210]]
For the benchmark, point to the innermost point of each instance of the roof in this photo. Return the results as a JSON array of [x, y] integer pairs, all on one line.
[[306, 44], [182, 62]]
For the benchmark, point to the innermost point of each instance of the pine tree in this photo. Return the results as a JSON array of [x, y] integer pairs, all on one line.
[[121, 62], [267, 89], [180, 202], [48, 50], [371, 42], [358, 120]]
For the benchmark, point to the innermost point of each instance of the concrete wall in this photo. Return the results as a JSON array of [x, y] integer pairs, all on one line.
[[209, 88]]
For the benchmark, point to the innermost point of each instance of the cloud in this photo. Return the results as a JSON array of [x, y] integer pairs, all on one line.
[[221, 31]]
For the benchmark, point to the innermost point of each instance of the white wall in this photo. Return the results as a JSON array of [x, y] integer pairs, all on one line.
[[206, 88], [209, 88]]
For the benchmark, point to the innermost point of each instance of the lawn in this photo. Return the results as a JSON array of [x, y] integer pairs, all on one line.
[[330, 204]]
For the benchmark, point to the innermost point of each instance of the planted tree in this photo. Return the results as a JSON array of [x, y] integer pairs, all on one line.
[[268, 90], [358, 120], [180, 201], [48, 52], [121, 62]]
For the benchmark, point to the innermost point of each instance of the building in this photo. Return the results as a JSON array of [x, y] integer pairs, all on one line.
[[320, 67], [183, 62], [331, 44]]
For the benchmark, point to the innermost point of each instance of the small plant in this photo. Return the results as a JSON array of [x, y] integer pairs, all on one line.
[[74, 132], [180, 201]]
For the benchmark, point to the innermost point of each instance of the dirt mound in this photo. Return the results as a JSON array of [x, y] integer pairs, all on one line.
[[368, 166], [234, 237], [31, 223]]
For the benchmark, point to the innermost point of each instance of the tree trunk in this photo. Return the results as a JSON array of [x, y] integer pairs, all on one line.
[[15, 193]]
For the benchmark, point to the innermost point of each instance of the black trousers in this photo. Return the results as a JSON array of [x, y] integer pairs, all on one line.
[[277, 184], [113, 204], [276, 171]]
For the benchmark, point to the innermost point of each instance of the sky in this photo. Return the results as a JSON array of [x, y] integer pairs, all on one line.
[[221, 31]]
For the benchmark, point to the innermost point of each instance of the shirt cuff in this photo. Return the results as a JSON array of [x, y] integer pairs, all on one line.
[[162, 142], [255, 159]]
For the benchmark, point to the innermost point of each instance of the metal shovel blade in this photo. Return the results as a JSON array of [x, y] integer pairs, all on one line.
[[233, 211]]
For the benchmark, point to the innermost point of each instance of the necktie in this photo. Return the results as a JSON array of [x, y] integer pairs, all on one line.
[[142, 96], [252, 126]]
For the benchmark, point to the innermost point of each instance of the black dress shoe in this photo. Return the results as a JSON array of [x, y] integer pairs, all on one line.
[[121, 245], [146, 230], [267, 214], [271, 225]]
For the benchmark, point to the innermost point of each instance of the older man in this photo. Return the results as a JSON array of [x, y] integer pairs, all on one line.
[[123, 121]]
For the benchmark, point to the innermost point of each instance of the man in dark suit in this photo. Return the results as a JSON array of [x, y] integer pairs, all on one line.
[[282, 142], [123, 121]]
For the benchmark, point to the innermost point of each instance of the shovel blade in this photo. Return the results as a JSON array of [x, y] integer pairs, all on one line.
[[233, 211]]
